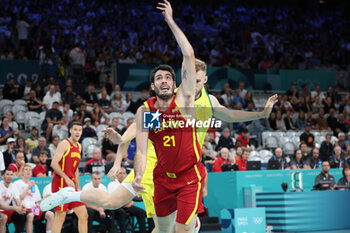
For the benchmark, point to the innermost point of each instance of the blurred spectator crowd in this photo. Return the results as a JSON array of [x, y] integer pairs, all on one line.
[[238, 34]]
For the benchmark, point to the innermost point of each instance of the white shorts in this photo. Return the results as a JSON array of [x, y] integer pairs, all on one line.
[[129, 187]]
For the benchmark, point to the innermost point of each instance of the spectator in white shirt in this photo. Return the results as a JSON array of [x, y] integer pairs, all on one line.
[[77, 55], [241, 90], [53, 146], [104, 217], [30, 197], [51, 97], [67, 113], [22, 30], [227, 97], [118, 104], [9, 194], [47, 190], [317, 92], [13, 124]]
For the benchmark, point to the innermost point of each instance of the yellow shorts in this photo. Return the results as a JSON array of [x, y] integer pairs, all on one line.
[[147, 196]]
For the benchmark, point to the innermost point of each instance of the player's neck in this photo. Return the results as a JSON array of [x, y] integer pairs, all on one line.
[[25, 179], [73, 141], [161, 104]]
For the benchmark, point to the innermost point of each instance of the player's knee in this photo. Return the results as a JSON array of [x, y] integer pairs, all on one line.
[[83, 216], [30, 217], [184, 228], [163, 227], [60, 216], [4, 218], [49, 216]]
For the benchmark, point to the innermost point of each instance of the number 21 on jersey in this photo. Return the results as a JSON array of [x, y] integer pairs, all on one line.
[[169, 141]]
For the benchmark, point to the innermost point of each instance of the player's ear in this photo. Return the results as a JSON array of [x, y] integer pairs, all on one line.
[[174, 84], [152, 86], [205, 79]]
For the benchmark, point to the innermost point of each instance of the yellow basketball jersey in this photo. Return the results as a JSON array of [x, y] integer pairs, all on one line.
[[204, 112]]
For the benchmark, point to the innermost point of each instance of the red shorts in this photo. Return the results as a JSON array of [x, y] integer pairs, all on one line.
[[57, 184], [183, 193], [39, 217], [9, 214]]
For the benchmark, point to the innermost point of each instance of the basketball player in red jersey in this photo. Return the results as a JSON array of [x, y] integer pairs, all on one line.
[[65, 164], [179, 174]]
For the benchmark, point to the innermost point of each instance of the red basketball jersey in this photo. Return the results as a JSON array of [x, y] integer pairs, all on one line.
[[176, 145], [70, 160]]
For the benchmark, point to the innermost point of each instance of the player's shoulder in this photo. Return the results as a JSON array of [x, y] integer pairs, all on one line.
[[143, 107], [63, 144], [64, 141]]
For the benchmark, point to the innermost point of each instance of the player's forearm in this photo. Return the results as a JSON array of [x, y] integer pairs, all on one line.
[[185, 46], [122, 150], [92, 207], [58, 170], [24, 193], [34, 107], [7, 207], [139, 163], [77, 179], [231, 116], [129, 134]]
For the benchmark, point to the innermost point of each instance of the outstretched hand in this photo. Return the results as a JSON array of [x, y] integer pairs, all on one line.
[[112, 135], [269, 105], [112, 174], [166, 9], [136, 184]]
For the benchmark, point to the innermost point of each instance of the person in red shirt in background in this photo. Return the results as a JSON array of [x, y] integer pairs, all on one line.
[[40, 169], [266, 63], [239, 152], [221, 160], [96, 160], [244, 139], [17, 166], [242, 161]]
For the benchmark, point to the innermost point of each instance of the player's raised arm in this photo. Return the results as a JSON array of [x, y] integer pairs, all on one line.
[[229, 115], [188, 81], [116, 138], [141, 150]]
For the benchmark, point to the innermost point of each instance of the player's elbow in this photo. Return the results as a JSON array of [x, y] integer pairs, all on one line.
[[53, 165], [188, 52]]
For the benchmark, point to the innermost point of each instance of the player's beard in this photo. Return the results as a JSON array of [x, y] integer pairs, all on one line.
[[164, 97]]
